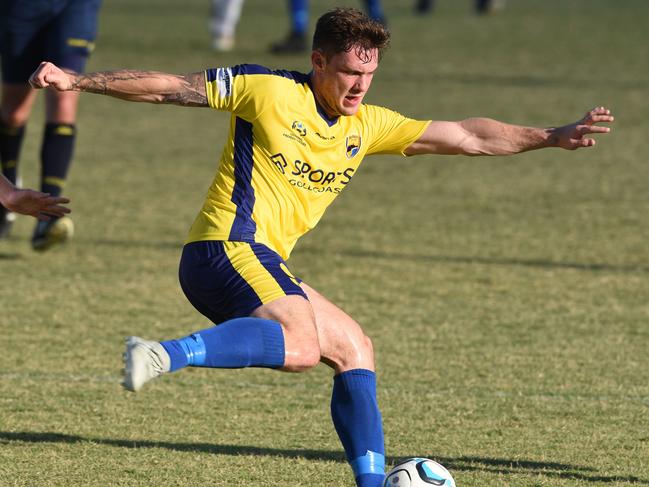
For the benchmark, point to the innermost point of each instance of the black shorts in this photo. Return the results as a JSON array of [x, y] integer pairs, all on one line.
[[225, 280], [60, 31]]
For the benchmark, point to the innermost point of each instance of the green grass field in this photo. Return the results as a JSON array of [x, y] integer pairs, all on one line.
[[507, 298]]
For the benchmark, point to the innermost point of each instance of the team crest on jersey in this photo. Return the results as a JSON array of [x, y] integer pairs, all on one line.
[[299, 128], [352, 145]]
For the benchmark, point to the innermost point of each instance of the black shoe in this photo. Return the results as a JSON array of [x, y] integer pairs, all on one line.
[[294, 43], [52, 232], [484, 7], [424, 6], [6, 221]]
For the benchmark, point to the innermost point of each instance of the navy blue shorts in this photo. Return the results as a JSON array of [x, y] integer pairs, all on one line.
[[225, 280], [60, 31]]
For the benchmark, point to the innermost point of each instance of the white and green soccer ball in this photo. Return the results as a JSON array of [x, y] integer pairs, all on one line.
[[418, 472]]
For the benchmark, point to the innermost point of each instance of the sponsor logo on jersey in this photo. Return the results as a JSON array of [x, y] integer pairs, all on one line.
[[352, 145], [325, 137], [305, 176], [299, 128]]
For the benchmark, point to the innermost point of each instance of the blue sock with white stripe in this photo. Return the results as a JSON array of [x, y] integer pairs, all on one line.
[[299, 16], [374, 10], [237, 343], [356, 416]]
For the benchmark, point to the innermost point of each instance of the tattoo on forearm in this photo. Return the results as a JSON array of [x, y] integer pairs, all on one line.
[[193, 92], [186, 90], [88, 83]]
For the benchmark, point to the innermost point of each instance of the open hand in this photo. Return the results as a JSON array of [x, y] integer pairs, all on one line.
[[34, 203], [574, 136]]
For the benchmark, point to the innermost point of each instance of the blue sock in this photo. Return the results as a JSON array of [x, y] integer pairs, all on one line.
[[356, 416], [241, 342], [374, 10], [299, 16]]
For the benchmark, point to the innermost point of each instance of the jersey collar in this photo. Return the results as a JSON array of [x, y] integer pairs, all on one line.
[[331, 121]]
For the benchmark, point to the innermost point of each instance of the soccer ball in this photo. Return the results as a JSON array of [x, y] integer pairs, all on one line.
[[418, 472]]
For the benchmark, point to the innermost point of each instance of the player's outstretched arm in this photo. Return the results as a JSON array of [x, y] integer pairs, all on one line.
[[30, 202], [145, 86], [484, 136]]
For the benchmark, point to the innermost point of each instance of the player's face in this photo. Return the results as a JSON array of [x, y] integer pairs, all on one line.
[[342, 80]]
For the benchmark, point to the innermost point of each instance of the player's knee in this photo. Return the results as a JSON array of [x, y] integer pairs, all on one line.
[[16, 117], [356, 354], [302, 353], [368, 346], [310, 356], [367, 349]]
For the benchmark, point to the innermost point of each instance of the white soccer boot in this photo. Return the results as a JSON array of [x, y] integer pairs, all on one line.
[[223, 43], [144, 360]]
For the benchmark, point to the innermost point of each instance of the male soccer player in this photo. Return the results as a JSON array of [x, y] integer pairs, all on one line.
[[296, 140], [61, 31]]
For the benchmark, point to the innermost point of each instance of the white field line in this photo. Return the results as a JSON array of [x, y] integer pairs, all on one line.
[[384, 390]]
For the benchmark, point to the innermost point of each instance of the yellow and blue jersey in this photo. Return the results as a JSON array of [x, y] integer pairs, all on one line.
[[285, 161]]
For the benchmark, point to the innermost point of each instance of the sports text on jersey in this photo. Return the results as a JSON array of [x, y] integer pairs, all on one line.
[[285, 161]]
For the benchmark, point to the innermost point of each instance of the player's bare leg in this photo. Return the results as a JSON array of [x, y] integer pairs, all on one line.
[[16, 103], [354, 407], [289, 319], [343, 344], [295, 315], [348, 351], [61, 106]]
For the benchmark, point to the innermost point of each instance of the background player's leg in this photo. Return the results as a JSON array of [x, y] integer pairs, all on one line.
[[67, 41], [58, 140], [299, 10], [57, 149], [16, 103], [424, 6], [374, 9], [296, 41], [223, 23], [15, 107], [354, 407]]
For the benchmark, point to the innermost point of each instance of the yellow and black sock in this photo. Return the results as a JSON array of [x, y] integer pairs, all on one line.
[[11, 139], [56, 156]]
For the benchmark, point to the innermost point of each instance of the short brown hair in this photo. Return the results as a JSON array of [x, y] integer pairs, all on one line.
[[343, 29]]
